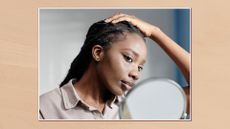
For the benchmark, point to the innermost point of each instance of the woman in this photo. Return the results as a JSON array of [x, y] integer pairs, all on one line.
[[107, 66]]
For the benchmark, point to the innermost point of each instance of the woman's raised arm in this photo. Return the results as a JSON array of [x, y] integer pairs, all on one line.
[[177, 53]]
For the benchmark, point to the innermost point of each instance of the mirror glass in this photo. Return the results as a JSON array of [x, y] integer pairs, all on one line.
[[155, 99]]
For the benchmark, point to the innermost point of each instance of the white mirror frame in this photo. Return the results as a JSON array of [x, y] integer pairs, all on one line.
[[122, 105]]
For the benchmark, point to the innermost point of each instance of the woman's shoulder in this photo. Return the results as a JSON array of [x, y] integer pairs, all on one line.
[[50, 103], [50, 96]]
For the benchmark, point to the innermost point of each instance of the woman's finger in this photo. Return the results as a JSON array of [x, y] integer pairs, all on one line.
[[144, 27], [124, 18], [115, 16]]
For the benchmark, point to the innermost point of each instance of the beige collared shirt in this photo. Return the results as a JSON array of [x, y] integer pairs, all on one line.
[[64, 103]]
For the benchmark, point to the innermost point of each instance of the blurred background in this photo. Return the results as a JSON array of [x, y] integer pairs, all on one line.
[[62, 33]]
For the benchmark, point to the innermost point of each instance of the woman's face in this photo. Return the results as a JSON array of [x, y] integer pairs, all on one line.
[[122, 63]]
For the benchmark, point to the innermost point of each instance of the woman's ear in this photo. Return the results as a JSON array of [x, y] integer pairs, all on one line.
[[97, 52]]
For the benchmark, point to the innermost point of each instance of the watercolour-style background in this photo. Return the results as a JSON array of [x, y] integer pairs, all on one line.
[[19, 65]]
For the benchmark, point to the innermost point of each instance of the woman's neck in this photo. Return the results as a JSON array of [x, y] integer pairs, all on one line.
[[90, 90]]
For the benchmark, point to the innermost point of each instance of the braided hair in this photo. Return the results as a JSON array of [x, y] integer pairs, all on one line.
[[100, 33]]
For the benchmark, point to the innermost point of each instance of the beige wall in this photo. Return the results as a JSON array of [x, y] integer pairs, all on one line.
[[210, 65]]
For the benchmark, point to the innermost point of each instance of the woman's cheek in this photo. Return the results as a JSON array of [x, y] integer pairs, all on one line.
[[124, 66]]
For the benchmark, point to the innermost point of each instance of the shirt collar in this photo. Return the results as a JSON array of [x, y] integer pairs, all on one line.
[[116, 100], [71, 98], [69, 95]]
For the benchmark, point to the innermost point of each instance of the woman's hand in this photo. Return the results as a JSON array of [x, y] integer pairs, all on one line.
[[147, 29], [177, 53]]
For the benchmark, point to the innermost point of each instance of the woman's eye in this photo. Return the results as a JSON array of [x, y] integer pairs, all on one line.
[[128, 59], [140, 68]]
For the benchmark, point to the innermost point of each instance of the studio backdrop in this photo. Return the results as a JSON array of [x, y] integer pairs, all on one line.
[[62, 33]]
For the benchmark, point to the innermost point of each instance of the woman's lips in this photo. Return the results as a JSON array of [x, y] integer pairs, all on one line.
[[127, 85]]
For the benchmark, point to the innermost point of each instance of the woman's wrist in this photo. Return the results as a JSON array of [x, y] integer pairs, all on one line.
[[156, 34]]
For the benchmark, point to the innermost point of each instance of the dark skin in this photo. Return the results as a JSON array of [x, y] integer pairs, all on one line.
[[115, 70], [174, 51]]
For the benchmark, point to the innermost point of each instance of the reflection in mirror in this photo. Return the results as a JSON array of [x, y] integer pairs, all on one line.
[[155, 99]]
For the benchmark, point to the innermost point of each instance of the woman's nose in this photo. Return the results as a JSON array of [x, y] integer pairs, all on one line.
[[134, 74]]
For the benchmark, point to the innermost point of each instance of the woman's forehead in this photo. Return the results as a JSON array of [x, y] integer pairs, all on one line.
[[133, 43]]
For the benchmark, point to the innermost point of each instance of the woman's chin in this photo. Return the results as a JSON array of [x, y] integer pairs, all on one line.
[[122, 92], [118, 92]]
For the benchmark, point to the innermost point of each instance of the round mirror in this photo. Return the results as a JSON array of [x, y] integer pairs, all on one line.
[[155, 99]]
